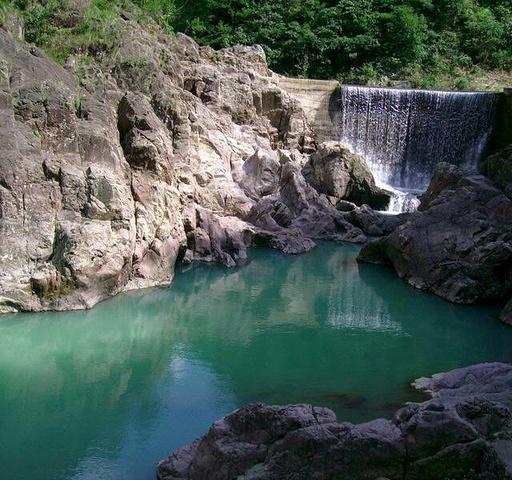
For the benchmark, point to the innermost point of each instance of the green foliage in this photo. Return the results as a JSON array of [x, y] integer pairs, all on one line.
[[77, 104], [427, 43], [62, 30], [161, 11], [4, 11]]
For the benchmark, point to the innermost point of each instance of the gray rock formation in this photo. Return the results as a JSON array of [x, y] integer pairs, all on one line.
[[374, 223], [498, 168], [464, 432], [165, 152], [337, 172], [458, 245]]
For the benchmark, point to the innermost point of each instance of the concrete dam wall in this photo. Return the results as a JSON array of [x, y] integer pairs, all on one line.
[[319, 99], [404, 133]]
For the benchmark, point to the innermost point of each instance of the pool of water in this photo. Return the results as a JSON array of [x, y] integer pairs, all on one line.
[[105, 394]]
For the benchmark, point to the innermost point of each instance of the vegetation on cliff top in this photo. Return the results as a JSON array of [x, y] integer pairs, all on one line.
[[444, 43], [459, 44]]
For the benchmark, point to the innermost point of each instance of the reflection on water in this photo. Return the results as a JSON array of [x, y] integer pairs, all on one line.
[[357, 305], [106, 393]]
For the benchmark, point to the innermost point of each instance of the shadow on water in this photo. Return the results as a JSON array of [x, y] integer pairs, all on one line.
[[107, 393]]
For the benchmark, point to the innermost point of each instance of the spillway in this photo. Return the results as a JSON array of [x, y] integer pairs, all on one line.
[[404, 133]]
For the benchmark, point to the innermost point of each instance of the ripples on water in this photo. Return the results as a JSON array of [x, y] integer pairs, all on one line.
[[107, 393]]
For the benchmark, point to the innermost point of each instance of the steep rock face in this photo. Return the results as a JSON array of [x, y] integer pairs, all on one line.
[[459, 245], [463, 433], [66, 218], [190, 154], [337, 172]]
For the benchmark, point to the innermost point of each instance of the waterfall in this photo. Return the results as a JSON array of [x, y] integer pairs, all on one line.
[[403, 201], [404, 133]]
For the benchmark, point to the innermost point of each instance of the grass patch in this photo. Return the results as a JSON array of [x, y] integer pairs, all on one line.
[[63, 31]]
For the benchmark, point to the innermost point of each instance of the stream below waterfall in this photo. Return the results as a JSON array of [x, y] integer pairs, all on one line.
[[108, 392]]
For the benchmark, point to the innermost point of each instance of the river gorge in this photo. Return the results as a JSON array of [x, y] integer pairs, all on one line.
[[212, 271]]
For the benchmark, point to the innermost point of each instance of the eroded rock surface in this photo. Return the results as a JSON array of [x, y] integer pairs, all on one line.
[[458, 245], [168, 152], [463, 433], [335, 171]]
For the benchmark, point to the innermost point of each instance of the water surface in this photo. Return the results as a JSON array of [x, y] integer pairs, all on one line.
[[105, 394]]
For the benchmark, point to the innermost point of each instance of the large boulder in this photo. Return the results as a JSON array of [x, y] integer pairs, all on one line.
[[458, 245], [463, 433], [374, 223], [302, 211], [337, 172]]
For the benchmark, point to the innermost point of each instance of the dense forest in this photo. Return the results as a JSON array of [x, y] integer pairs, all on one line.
[[423, 41], [431, 43]]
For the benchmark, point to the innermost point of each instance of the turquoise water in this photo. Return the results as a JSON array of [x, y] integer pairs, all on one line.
[[105, 394]]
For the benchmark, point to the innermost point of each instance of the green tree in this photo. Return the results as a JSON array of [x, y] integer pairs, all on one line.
[[426, 42]]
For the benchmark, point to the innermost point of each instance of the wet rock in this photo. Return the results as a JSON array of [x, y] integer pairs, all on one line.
[[334, 170], [506, 314], [458, 245], [374, 223], [344, 205], [463, 432]]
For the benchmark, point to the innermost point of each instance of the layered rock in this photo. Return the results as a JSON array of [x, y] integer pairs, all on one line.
[[458, 245], [163, 152], [464, 432]]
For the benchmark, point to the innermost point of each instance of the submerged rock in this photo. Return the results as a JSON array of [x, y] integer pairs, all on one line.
[[463, 433], [458, 245]]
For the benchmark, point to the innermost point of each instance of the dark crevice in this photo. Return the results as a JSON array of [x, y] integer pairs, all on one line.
[[4, 184]]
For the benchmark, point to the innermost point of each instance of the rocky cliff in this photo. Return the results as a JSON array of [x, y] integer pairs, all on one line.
[[161, 151]]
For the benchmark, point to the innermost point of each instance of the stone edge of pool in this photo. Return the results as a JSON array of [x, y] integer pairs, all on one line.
[[463, 431]]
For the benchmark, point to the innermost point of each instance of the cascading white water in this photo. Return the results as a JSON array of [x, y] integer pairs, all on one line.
[[404, 133], [402, 201]]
